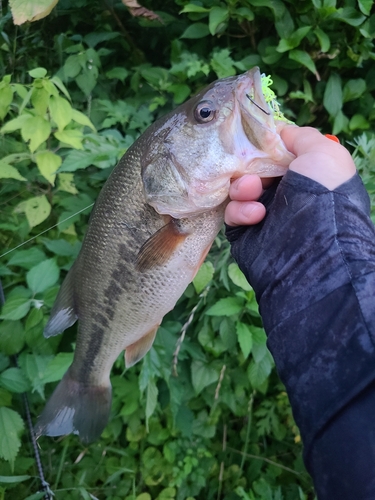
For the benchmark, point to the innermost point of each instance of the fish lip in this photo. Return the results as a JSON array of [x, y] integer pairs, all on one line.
[[251, 100]]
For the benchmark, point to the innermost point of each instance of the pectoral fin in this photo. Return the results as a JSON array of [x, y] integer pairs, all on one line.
[[158, 249], [136, 351], [63, 312]]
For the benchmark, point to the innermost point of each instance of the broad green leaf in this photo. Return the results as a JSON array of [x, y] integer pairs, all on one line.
[[66, 183], [5, 397], [14, 380], [27, 258], [202, 375], [223, 64], [6, 97], [86, 80], [34, 318], [324, 39], [37, 496], [61, 111], [245, 338], [332, 99], [9, 172], [303, 58], [50, 87], [204, 276], [117, 73], [57, 367], [34, 367], [72, 66], [43, 276], [12, 337], [245, 13], [294, 40], [4, 361], [15, 124], [351, 16], [238, 277], [36, 209], [358, 122], [14, 479], [38, 72], [55, 80], [217, 20], [259, 372], [36, 130], [92, 39], [82, 119], [24, 10], [11, 425], [284, 23], [353, 89], [203, 427], [71, 137], [40, 99], [226, 307], [196, 30], [180, 92], [15, 308], [62, 247], [365, 6], [48, 164], [192, 7], [151, 399]]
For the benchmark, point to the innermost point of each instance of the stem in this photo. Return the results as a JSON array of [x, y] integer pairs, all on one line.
[[45, 486], [61, 464], [248, 429], [257, 457]]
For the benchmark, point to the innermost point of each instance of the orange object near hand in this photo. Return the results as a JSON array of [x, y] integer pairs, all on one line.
[[332, 137]]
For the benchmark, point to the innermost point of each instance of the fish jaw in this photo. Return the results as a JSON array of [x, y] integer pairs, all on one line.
[[261, 129]]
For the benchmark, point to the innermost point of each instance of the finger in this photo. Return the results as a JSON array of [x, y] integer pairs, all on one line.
[[244, 213], [246, 188], [319, 158]]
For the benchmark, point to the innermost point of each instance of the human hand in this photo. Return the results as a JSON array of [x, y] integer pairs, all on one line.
[[317, 157]]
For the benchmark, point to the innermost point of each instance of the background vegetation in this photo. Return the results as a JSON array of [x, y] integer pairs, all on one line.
[[205, 417]]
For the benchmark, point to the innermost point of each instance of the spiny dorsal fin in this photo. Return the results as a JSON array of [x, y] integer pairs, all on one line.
[[157, 250], [63, 313], [136, 351]]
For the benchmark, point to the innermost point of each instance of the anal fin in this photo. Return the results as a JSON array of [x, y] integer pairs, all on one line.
[[157, 250], [136, 351]]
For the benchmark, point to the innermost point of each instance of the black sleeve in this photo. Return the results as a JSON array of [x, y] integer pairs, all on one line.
[[311, 263]]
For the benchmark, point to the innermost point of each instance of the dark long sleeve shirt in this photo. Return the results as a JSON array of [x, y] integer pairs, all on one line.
[[311, 262]]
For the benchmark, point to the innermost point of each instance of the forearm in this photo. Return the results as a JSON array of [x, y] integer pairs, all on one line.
[[312, 265]]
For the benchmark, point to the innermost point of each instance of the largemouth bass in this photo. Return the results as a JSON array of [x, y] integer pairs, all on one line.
[[151, 228]]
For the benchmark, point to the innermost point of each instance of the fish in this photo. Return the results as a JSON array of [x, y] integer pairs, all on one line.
[[150, 230]]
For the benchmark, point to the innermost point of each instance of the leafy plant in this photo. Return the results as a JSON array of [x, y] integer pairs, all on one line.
[[204, 415]]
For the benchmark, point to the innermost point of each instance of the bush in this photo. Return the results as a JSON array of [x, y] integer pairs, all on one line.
[[212, 420]]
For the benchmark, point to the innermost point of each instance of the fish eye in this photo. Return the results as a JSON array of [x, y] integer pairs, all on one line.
[[204, 112]]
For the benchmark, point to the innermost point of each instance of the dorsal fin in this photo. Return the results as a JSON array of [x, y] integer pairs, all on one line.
[[157, 249], [63, 314], [136, 351]]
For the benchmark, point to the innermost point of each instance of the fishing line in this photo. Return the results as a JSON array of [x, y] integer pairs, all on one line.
[[45, 231], [48, 494]]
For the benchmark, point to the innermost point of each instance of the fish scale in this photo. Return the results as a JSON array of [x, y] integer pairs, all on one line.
[[150, 229]]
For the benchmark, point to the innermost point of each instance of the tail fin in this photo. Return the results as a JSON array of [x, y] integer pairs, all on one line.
[[75, 407]]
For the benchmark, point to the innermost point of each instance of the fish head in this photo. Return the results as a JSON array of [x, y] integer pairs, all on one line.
[[191, 155]]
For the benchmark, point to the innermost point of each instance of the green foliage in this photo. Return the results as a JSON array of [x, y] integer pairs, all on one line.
[[202, 417]]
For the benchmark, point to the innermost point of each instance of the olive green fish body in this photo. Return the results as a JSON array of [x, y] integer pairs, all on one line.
[[152, 226]]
